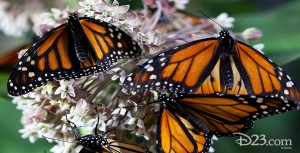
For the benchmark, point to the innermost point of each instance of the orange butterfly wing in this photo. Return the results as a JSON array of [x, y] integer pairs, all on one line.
[[181, 69], [115, 146], [108, 42], [196, 67], [175, 134], [225, 115], [254, 74], [54, 57]]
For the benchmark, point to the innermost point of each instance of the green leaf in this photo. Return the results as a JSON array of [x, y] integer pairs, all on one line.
[[284, 57], [280, 27], [11, 141], [3, 82]]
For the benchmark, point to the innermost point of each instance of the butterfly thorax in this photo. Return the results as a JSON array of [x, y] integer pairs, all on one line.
[[226, 41], [92, 142], [79, 39], [226, 48]]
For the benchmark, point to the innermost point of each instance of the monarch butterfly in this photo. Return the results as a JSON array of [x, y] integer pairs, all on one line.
[[224, 115], [213, 65], [94, 143], [175, 133], [77, 48]]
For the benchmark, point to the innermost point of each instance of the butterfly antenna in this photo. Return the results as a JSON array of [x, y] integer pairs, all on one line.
[[133, 106], [98, 118], [211, 19], [156, 101], [73, 126], [58, 139]]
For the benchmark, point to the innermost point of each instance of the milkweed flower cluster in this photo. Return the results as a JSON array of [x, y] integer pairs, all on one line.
[[18, 16], [45, 109]]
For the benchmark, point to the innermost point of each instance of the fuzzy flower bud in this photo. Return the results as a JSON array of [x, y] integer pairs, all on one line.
[[252, 34]]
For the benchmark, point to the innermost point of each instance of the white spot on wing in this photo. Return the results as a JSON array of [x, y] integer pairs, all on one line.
[[150, 69], [152, 77], [289, 84], [286, 92]]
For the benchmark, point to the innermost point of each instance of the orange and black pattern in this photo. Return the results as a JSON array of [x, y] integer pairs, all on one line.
[[213, 65], [224, 115], [176, 134], [78, 48]]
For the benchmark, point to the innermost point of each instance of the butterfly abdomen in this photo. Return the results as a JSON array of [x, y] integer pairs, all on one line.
[[81, 46], [80, 41], [226, 46], [226, 72]]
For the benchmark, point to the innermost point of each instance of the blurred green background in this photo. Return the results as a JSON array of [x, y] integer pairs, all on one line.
[[278, 19]]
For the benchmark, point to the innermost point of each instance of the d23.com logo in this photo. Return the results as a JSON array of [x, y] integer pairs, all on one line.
[[261, 140]]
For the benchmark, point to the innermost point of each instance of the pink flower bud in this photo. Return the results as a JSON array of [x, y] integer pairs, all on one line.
[[43, 29], [252, 34]]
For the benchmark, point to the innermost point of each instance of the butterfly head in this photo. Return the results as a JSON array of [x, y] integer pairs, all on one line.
[[73, 16], [224, 33]]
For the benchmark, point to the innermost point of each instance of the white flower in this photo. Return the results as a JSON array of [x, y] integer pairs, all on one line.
[[65, 89], [23, 103], [151, 38], [52, 19], [113, 122], [141, 132], [224, 20], [118, 73], [89, 7], [140, 123], [110, 11], [15, 25], [119, 111], [78, 113], [42, 29], [81, 108], [48, 131], [17, 18], [102, 120], [29, 131], [47, 89], [132, 21], [66, 147], [251, 34], [130, 121], [22, 52], [180, 4]]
